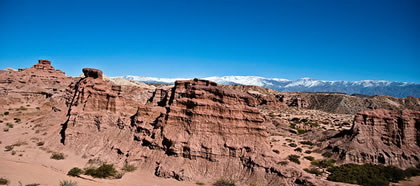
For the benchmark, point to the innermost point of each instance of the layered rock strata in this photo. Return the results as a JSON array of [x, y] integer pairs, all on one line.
[[382, 137]]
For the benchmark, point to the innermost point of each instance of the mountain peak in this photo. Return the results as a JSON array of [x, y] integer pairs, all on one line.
[[306, 84]]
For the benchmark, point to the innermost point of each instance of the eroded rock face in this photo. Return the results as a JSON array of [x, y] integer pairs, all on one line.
[[90, 99], [381, 136], [194, 129], [35, 85], [203, 120]]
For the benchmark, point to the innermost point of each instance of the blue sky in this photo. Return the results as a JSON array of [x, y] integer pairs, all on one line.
[[328, 40]]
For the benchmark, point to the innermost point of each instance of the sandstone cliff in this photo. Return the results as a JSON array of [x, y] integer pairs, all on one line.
[[194, 129], [381, 136]]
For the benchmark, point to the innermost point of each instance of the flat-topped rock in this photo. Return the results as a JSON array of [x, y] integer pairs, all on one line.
[[93, 73]]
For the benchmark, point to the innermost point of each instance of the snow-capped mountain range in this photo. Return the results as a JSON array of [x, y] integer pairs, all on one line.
[[367, 87]]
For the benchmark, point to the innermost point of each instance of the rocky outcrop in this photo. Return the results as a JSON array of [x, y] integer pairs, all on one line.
[[194, 129], [92, 73], [43, 68], [32, 85], [337, 103], [381, 136], [90, 99]]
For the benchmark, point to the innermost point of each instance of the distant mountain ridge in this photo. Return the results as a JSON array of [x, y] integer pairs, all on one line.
[[367, 87]]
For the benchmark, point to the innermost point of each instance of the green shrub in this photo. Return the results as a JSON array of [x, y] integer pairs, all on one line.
[[283, 163], [296, 120], [294, 158], [129, 168], [119, 175], [325, 163], [306, 143], [8, 148], [68, 183], [313, 124], [310, 158], [104, 171], [33, 184], [327, 154], [292, 144], [292, 125], [301, 131], [6, 113], [57, 156], [412, 171], [314, 171], [10, 125], [298, 149], [276, 151], [224, 182], [369, 174], [40, 143], [4, 181], [75, 171], [199, 183], [22, 108], [308, 151]]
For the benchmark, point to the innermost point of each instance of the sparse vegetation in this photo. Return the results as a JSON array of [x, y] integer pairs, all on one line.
[[301, 131], [75, 171], [4, 181], [21, 108], [68, 183], [129, 168], [283, 163], [325, 163], [10, 125], [296, 120], [8, 148], [310, 158], [327, 154], [369, 174], [57, 156], [17, 144], [313, 124], [199, 183], [224, 182], [33, 184], [104, 171], [306, 143], [119, 175], [17, 120], [294, 158]]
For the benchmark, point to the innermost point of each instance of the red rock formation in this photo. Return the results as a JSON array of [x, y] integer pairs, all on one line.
[[43, 68], [93, 73], [32, 84], [194, 129], [381, 136]]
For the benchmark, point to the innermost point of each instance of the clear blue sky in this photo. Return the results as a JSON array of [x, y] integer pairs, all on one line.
[[327, 40]]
